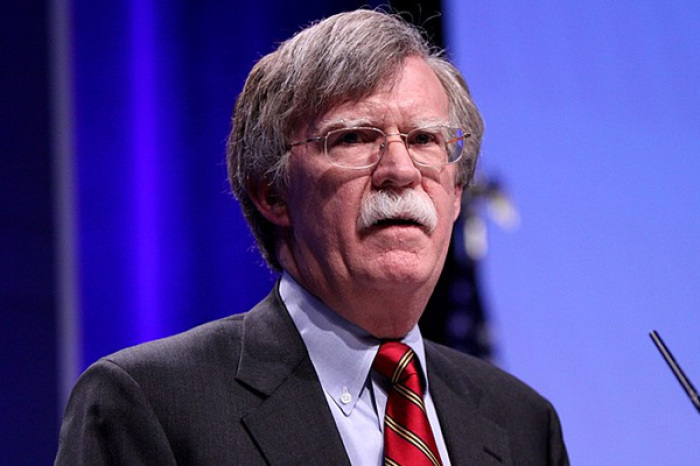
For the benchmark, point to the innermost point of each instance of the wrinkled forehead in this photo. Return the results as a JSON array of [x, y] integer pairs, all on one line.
[[391, 103], [347, 101]]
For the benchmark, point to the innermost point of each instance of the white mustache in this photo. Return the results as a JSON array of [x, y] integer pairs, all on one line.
[[404, 205]]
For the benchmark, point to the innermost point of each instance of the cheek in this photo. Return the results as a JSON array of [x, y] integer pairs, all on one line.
[[328, 209], [340, 212], [446, 195], [457, 203], [453, 194]]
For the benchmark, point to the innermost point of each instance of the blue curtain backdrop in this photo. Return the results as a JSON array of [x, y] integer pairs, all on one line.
[[28, 384], [147, 239], [162, 245]]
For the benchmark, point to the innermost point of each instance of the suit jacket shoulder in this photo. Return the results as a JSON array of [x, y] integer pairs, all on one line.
[[240, 390]]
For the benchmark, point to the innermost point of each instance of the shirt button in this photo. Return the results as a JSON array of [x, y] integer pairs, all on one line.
[[345, 398]]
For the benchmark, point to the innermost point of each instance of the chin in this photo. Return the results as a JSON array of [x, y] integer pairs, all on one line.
[[403, 268]]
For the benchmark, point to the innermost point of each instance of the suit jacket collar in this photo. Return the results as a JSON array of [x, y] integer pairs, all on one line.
[[293, 424], [470, 437]]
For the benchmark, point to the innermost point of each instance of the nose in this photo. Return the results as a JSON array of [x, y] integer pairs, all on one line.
[[396, 167]]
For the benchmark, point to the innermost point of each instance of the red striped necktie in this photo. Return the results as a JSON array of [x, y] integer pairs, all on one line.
[[408, 439]]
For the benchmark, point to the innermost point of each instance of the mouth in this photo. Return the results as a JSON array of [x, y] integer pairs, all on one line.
[[390, 222]]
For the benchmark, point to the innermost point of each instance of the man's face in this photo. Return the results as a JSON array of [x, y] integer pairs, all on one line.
[[330, 253]]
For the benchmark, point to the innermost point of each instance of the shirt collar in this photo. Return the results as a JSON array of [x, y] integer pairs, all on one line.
[[341, 352]]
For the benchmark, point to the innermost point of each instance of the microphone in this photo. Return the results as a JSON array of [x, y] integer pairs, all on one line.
[[678, 372]]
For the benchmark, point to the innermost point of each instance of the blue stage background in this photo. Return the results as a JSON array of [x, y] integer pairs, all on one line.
[[118, 226], [592, 116]]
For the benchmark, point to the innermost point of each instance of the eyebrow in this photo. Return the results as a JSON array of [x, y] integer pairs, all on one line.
[[324, 126]]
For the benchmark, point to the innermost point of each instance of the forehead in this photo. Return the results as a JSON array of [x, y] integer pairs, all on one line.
[[413, 97]]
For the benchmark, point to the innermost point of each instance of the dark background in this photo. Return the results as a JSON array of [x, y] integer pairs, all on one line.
[[190, 59]]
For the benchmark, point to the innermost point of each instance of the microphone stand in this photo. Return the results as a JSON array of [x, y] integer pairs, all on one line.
[[677, 371]]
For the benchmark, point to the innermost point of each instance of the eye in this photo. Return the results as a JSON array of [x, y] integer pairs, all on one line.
[[422, 137], [352, 136]]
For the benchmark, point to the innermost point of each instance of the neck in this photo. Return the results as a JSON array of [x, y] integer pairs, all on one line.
[[385, 311], [386, 306]]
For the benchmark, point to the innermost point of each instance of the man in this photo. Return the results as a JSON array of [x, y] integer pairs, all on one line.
[[350, 148]]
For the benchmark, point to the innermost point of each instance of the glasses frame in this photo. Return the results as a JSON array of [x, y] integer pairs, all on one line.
[[403, 136]]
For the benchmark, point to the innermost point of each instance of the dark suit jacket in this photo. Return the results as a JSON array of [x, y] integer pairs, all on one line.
[[243, 391]]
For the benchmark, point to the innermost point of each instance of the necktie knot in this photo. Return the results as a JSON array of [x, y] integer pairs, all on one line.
[[397, 362]]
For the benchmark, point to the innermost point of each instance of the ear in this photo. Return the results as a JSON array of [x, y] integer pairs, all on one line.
[[457, 201], [270, 204]]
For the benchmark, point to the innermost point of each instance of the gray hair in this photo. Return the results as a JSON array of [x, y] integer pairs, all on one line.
[[341, 59]]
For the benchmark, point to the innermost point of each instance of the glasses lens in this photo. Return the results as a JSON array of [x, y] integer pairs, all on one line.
[[354, 147], [435, 145]]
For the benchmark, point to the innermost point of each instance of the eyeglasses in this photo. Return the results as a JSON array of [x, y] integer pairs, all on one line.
[[362, 146]]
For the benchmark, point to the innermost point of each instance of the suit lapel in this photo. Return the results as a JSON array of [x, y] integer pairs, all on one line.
[[293, 425], [471, 438]]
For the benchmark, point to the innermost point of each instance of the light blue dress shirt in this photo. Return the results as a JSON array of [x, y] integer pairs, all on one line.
[[342, 354]]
